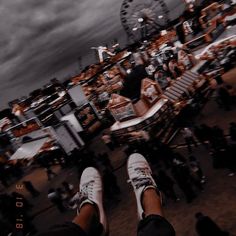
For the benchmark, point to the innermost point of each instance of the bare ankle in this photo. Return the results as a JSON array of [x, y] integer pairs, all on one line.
[[151, 202], [90, 213]]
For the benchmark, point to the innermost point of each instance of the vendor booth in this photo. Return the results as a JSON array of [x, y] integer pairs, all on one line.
[[30, 138]]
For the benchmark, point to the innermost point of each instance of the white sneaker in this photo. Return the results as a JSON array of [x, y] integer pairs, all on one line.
[[140, 176], [91, 192]]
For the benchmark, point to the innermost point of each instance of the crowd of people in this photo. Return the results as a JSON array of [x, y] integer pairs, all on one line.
[[176, 175], [60, 197]]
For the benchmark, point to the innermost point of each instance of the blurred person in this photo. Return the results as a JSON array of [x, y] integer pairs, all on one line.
[[68, 188], [108, 140], [189, 138], [166, 154], [162, 79], [105, 160], [174, 68], [111, 188], [185, 59], [61, 193], [225, 98], [205, 226], [230, 159], [232, 131], [167, 71], [206, 132], [182, 177], [31, 189], [166, 185], [200, 135], [56, 199], [3, 178], [218, 140], [196, 168], [50, 173]]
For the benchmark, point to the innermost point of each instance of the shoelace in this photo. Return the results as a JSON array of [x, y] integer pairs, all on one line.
[[142, 179], [87, 191]]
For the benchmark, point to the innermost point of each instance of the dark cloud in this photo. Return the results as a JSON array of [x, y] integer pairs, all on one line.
[[41, 39]]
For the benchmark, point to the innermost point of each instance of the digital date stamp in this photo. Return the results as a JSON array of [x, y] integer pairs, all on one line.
[[19, 209]]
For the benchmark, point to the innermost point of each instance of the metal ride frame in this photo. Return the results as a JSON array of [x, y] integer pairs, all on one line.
[[130, 8]]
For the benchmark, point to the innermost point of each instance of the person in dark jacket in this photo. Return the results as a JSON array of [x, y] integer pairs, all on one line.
[[205, 226], [166, 185], [232, 131], [56, 199], [31, 189], [224, 97], [181, 174]]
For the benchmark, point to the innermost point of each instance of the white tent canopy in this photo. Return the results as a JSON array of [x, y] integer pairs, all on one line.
[[28, 150]]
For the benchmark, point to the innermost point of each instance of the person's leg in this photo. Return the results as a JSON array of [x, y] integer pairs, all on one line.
[[188, 192], [196, 182], [110, 146], [200, 174], [148, 199], [188, 143], [172, 194], [61, 206], [193, 140], [90, 219], [91, 216], [49, 176]]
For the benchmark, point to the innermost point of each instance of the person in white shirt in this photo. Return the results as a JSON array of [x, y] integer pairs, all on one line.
[[189, 138]]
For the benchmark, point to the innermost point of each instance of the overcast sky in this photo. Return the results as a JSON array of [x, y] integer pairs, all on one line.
[[42, 39]]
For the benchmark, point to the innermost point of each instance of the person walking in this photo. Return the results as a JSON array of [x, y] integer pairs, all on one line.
[[105, 161], [189, 138], [50, 173], [200, 135], [196, 169], [224, 98], [166, 185], [205, 226], [182, 177], [68, 188], [108, 141], [31, 189], [111, 188], [232, 131], [206, 132], [56, 199], [218, 140]]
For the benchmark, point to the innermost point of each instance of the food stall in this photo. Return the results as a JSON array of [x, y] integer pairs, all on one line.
[[30, 138], [211, 22], [152, 110]]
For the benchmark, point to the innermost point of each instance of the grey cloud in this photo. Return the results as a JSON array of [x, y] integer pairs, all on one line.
[[43, 38]]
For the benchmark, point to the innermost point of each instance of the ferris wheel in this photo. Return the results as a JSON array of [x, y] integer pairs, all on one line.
[[141, 18]]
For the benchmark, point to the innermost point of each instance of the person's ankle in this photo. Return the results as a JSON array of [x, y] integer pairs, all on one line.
[[151, 202], [92, 207], [88, 217]]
